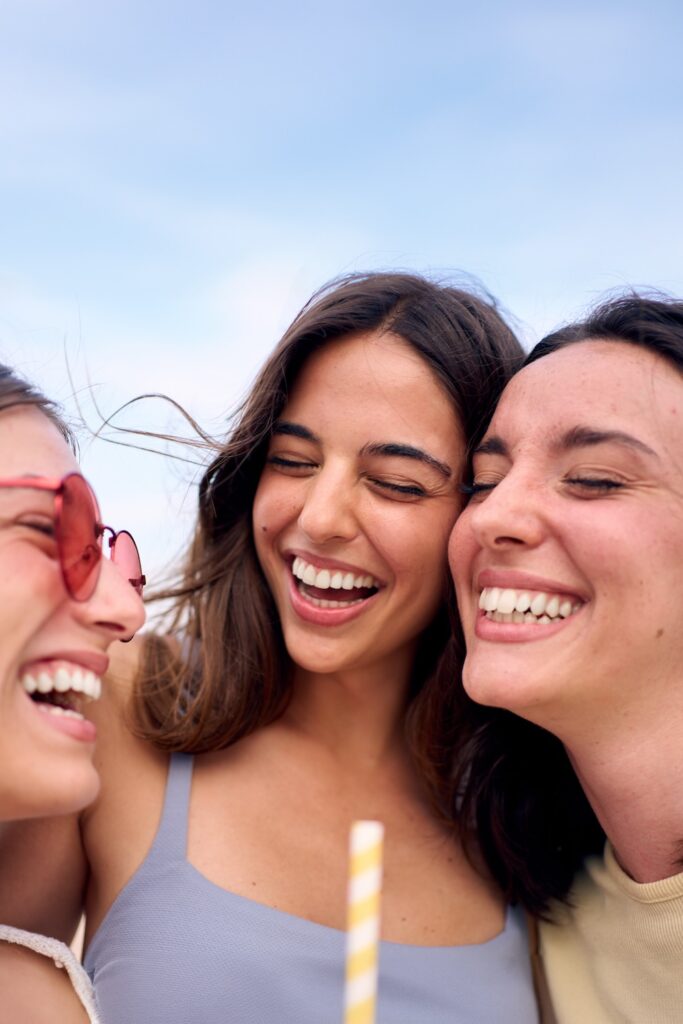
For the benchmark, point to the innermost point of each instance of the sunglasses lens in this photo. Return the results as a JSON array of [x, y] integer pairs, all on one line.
[[126, 557], [80, 545]]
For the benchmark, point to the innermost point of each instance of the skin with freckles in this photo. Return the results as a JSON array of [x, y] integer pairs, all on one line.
[[44, 769], [579, 486]]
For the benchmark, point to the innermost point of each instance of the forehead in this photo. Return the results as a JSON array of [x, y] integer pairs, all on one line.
[[602, 384], [370, 380], [31, 443]]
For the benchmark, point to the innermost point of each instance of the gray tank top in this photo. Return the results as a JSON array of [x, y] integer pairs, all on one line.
[[175, 948]]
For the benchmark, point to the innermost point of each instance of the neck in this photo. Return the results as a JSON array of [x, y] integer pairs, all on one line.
[[632, 772], [357, 715]]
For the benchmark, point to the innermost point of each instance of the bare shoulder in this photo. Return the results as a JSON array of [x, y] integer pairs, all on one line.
[[34, 991], [119, 828]]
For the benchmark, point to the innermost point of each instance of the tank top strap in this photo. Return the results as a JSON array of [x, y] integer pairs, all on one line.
[[170, 842]]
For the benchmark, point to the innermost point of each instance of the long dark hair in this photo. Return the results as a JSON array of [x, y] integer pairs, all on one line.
[[16, 391], [520, 794], [233, 675]]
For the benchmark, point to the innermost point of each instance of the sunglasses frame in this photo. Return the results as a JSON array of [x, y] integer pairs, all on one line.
[[57, 486]]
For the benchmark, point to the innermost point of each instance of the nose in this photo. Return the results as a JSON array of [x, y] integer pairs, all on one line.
[[328, 510], [115, 610], [509, 516]]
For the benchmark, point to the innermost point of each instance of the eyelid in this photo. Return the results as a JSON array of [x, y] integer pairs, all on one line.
[[291, 463], [407, 490]]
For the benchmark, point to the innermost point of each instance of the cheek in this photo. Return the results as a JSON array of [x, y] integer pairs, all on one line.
[[276, 504]]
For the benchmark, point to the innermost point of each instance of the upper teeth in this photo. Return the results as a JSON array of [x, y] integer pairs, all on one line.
[[326, 579], [521, 605], [79, 680]]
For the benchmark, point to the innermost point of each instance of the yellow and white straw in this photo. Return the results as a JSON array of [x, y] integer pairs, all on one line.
[[363, 916]]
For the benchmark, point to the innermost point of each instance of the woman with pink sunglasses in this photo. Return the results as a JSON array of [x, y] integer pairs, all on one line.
[[62, 605], [309, 668]]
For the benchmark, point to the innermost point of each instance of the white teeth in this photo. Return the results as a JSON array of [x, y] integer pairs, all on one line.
[[64, 679], [309, 575], [322, 579], [320, 602], [325, 579], [54, 709], [538, 604], [44, 683], [507, 605], [506, 601]]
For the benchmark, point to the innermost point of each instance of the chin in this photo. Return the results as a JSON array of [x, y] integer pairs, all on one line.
[[57, 792]]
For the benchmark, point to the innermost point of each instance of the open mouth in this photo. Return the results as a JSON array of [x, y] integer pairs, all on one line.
[[507, 605], [62, 691], [332, 588]]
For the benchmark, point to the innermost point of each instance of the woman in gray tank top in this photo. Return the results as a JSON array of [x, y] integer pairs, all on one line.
[[314, 684]]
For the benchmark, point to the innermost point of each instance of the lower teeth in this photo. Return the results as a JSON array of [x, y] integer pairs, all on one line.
[[321, 603], [518, 617], [54, 709]]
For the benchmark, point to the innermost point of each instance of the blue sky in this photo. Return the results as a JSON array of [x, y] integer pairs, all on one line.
[[176, 179]]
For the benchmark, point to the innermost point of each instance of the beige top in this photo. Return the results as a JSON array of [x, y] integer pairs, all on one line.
[[616, 955]]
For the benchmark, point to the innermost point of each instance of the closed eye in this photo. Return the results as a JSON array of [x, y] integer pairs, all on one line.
[[595, 483], [406, 490], [282, 462], [471, 490], [44, 526]]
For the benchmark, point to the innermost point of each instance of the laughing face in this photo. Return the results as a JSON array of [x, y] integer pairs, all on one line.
[[568, 559], [52, 648], [356, 501]]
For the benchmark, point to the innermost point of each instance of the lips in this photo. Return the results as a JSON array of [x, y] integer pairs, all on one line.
[[329, 593]]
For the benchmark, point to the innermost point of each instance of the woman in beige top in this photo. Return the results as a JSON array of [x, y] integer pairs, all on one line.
[[568, 564]]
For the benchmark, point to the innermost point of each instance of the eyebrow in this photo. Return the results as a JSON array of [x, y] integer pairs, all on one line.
[[295, 430], [387, 449], [493, 445], [407, 451], [577, 437], [581, 437]]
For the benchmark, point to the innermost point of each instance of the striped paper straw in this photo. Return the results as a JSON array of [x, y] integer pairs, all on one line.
[[365, 888]]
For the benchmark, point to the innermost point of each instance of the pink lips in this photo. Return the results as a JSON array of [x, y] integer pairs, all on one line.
[[515, 580], [95, 661], [77, 728], [310, 612]]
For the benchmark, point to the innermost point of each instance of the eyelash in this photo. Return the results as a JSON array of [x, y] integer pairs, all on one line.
[[596, 483], [409, 490], [45, 529], [590, 483], [278, 460], [471, 489]]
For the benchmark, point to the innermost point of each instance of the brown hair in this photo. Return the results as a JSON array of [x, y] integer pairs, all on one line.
[[14, 391], [519, 791], [233, 676]]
